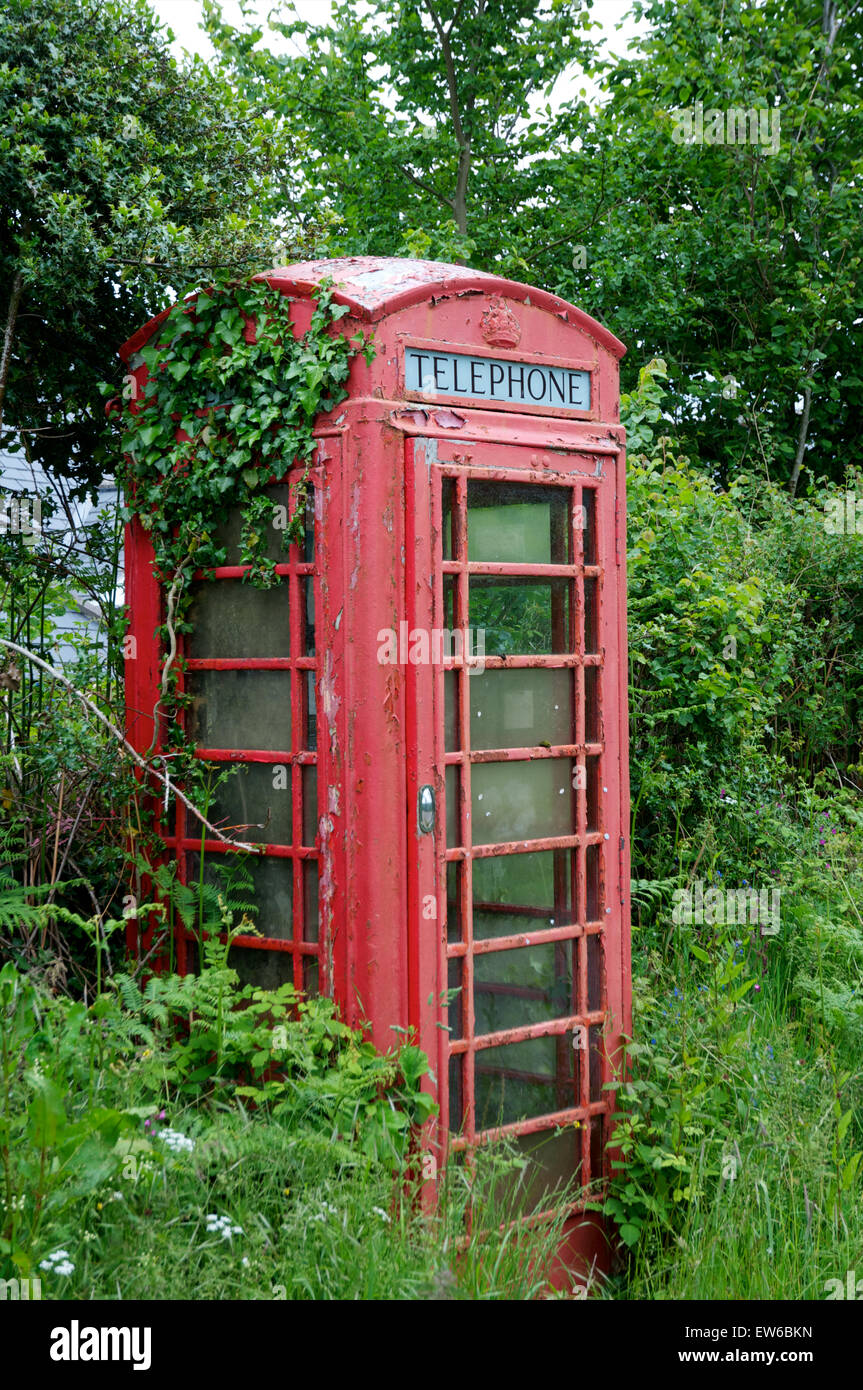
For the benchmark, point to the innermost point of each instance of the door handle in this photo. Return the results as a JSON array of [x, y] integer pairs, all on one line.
[[425, 810]]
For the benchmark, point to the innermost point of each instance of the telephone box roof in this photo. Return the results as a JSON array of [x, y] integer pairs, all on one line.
[[374, 286]]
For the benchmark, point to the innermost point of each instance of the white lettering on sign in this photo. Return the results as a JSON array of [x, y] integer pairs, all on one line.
[[495, 379]]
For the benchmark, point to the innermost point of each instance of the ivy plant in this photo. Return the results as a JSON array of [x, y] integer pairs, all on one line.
[[229, 405]]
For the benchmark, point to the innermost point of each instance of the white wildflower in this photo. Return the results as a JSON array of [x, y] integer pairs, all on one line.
[[177, 1143], [221, 1226]]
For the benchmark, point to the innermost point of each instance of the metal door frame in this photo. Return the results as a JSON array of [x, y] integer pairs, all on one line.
[[577, 466]]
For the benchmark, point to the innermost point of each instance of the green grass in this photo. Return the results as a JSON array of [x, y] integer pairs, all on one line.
[[316, 1221], [758, 1099]]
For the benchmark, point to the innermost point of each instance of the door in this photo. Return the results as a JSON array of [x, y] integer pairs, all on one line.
[[520, 739]]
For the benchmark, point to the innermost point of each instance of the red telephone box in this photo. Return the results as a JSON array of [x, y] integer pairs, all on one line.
[[429, 715]]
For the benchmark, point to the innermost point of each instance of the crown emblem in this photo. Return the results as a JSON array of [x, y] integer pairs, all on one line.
[[499, 325]]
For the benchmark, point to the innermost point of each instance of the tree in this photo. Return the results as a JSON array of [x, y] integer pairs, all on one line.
[[123, 176], [420, 124], [737, 262], [435, 127]]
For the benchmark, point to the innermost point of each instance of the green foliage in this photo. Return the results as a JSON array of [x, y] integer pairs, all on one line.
[[53, 1151], [744, 631], [422, 128], [230, 404], [306, 1166], [709, 627], [123, 172], [418, 132], [230, 376], [737, 264]]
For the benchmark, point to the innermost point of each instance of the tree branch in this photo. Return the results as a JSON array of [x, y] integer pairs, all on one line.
[[9, 334], [801, 440], [428, 188], [123, 741]]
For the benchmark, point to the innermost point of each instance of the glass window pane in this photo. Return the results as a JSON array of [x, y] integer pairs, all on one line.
[[454, 891], [310, 976], [309, 528], [255, 804], [592, 792], [588, 521], [228, 533], [450, 707], [516, 893], [522, 800], [518, 617], [593, 885], [311, 927], [307, 588], [455, 1007], [310, 805], [517, 523], [518, 1081], [449, 603], [591, 617], [231, 619], [260, 968], [456, 1094], [448, 507], [453, 830], [554, 1163], [240, 709], [595, 968], [592, 714], [521, 708], [595, 1062], [527, 985], [311, 714], [270, 901]]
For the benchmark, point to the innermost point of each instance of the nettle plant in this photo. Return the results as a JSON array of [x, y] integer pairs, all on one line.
[[229, 406]]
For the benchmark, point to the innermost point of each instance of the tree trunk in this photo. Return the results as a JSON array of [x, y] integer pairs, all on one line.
[[9, 335], [802, 434]]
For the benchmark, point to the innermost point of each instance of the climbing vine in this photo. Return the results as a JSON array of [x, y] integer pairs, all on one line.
[[228, 407]]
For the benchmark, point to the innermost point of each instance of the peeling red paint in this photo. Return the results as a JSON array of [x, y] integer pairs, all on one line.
[[330, 701], [449, 419]]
